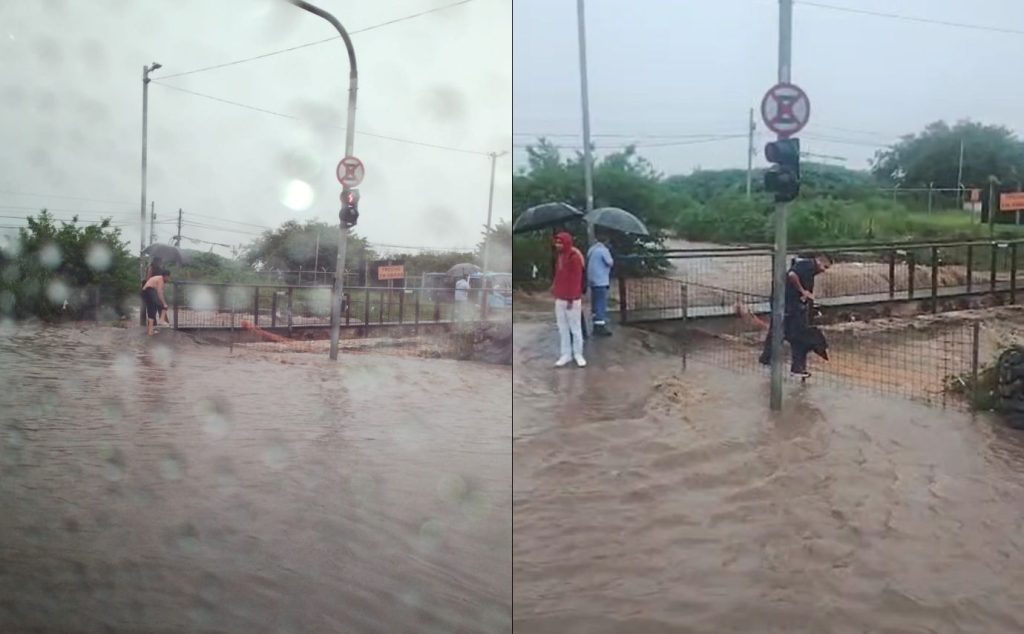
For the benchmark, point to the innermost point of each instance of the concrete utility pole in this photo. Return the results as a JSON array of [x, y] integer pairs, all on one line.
[[490, 208], [588, 159], [152, 222], [350, 135], [779, 259], [960, 178], [146, 70], [177, 238], [750, 152]]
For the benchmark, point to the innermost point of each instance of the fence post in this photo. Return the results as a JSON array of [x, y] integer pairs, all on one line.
[[381, 311], [992, 272], [975, 331], [347, 299], [970, 267], [232, 344], [892, 274], [273, 311], [416, 315], [684, 294], [935, 279], [401, 306], [177, 301], [290, 311], [366, 311], [1013, 273], [623, 310], [256, 307], [911, 265]]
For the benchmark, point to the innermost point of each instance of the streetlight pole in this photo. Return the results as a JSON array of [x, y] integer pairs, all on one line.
[[490, 208], [146, 70], [779, 259], [350, 134], [588, 159]]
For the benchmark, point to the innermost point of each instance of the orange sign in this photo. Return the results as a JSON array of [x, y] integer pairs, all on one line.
[[391, 272], [1011, 202]]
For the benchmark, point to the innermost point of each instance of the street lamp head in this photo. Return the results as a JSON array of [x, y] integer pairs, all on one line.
[[155, 66]]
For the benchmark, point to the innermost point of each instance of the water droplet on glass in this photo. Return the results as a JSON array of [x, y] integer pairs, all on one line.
[[452, 488], [215, 417], [297, 195], [99, 257], [113, 464], [171, 467], [430, 535], [56, 292], [202, 298], [277, 456], [124, 366], [50, 256], [163, 356], [7, 302]]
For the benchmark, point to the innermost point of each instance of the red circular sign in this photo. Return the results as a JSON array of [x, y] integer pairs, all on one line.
[[350, 172], [785, 109]]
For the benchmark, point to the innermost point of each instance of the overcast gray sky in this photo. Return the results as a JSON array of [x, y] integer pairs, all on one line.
[[688, 67], [70, 100]]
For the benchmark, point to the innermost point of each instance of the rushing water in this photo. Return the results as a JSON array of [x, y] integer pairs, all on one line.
[[161, 486], [650, 500]]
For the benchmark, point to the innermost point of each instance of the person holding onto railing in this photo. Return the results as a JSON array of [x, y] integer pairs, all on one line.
[[599, 268], [153, 298], [797, 316], [568, 291]]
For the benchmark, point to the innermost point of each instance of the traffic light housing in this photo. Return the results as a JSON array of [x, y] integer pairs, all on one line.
[[783, 178], [349, 214]]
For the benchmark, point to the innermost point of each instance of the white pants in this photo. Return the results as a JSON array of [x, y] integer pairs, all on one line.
[[568, 320]]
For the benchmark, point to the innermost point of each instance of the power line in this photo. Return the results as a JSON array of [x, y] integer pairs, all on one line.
[[41, 208], [539, 135], [238, 222], [94, 200], [722, 137], [316, 42], [910, 18], [336, 127]]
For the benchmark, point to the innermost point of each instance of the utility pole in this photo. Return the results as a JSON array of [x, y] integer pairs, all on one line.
[[152, 222], [960, 178], [490, 207], [588, 159], [750, 152], [146, 70], [931, 190], [350, 135], [779, 259], [177, 238], [992, 205], [316, 257]]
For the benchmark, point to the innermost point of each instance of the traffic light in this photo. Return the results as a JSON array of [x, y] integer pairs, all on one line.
[[349, 214], [783, 178]]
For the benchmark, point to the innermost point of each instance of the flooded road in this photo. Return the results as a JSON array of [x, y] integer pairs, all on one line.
[[174, 488], [650, 501]]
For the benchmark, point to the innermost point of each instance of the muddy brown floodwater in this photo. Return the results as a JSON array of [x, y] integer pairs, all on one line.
[[169, 487], [647, 500]]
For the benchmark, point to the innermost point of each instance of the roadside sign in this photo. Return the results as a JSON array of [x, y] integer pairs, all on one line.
[[1013, 201], [387, 272], [785, 109], [350, 172]]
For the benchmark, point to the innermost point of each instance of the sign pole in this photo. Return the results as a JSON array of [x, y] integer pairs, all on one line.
[[779, 253]]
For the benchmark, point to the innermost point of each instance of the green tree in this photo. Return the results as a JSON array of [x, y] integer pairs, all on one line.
[[933, 156], [59, 271], [293, 246], [499, 241]]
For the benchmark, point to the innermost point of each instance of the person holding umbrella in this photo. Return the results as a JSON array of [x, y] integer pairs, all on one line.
[[567, 290], [599, 268]]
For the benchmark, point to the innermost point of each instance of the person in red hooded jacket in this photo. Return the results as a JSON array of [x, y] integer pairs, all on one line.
[[568, 292]]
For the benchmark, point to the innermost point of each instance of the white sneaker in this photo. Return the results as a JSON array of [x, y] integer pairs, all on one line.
[[562, 362], [581, 362]]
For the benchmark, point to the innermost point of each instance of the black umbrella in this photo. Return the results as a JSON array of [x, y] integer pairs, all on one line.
[[617, 220], [545, 216], [167, 253], [461, 270]]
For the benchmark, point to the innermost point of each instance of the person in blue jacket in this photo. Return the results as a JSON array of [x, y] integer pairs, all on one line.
[[599, 268]]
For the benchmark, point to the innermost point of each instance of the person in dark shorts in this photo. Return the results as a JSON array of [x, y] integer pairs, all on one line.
[[797, 317], [153, 298]]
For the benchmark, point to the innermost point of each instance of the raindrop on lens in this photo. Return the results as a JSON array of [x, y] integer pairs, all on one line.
[[50, 256], [297, 195], [98, 257], [56, 292]]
